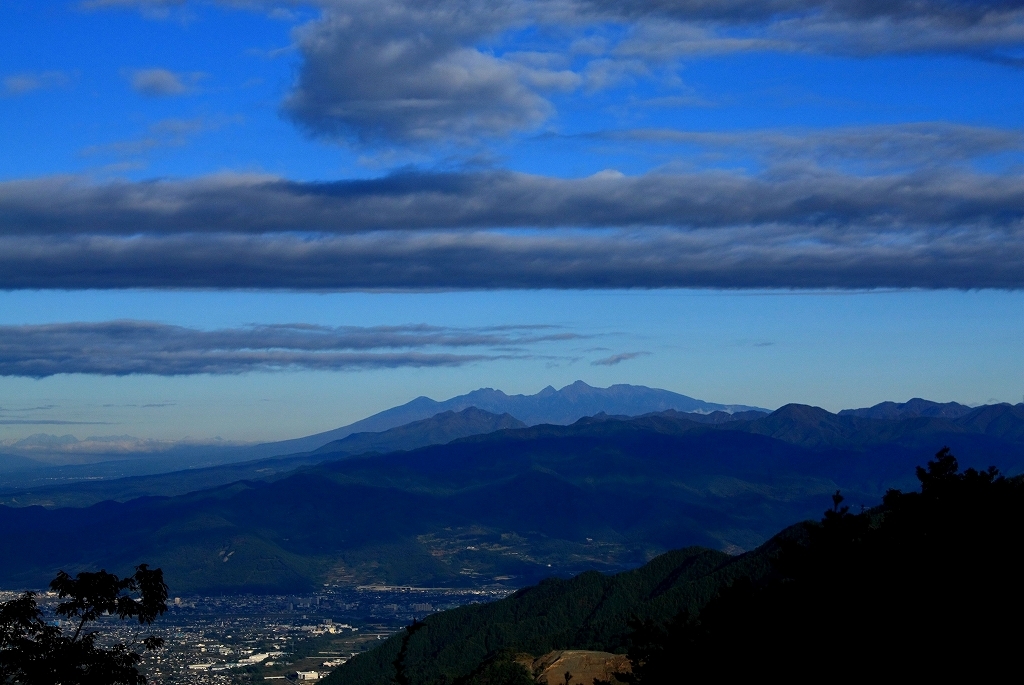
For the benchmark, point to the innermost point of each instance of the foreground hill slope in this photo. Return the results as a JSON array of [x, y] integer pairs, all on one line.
[[590, 611], [925, 583], [512, 506]]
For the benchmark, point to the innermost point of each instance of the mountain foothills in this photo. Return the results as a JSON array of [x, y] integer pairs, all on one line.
[[438, 429], [926, 583], [45, 459], [510, 506]]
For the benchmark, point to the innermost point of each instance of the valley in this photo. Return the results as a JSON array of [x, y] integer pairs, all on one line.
[[509, 506]]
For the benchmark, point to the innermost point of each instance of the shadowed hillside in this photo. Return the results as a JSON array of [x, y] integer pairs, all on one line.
[[590, 611], [437, 430], [606, 493], [924, 583]]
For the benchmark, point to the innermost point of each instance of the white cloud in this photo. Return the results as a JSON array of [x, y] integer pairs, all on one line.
[[151, 9], [414, 71], [26, 82], [166, 133], [162, 82]]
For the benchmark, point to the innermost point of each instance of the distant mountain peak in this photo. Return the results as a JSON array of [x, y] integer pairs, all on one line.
[[45, 440], [560, 407], [802, 411], [579, 399], [910, 409]]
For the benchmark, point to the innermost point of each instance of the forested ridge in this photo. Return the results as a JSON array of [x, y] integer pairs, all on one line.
[[926, 582], [590, 611]]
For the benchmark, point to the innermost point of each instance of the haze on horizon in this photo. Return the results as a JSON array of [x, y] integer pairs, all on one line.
[[259, 220]]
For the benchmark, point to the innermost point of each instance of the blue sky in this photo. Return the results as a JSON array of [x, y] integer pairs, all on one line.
[[264, 219]]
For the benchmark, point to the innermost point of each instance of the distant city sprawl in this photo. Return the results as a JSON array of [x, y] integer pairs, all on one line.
[[245, 638]]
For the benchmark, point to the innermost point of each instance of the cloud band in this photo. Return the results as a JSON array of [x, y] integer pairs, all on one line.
[[244, 204], [917, 213], [119, 348], [749, 257]]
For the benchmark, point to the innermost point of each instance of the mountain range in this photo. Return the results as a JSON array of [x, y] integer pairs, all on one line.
[[510, 506], [910, 409], [439, 429], [559, 407], [31, 462]]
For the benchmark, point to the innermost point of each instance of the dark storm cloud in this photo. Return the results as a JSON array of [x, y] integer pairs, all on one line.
[[767, 256], [118, 348], [885, 206], [935, 198], [804, 222]]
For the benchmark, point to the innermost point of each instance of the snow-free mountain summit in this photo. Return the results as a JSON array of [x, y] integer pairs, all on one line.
[[559, 407]]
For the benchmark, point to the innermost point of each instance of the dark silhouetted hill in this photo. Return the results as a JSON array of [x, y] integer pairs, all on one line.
[[924, 584], [589, 611], [910, 410]]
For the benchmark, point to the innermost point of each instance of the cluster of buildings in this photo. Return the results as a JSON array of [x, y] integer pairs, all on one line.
[[237, 639]]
